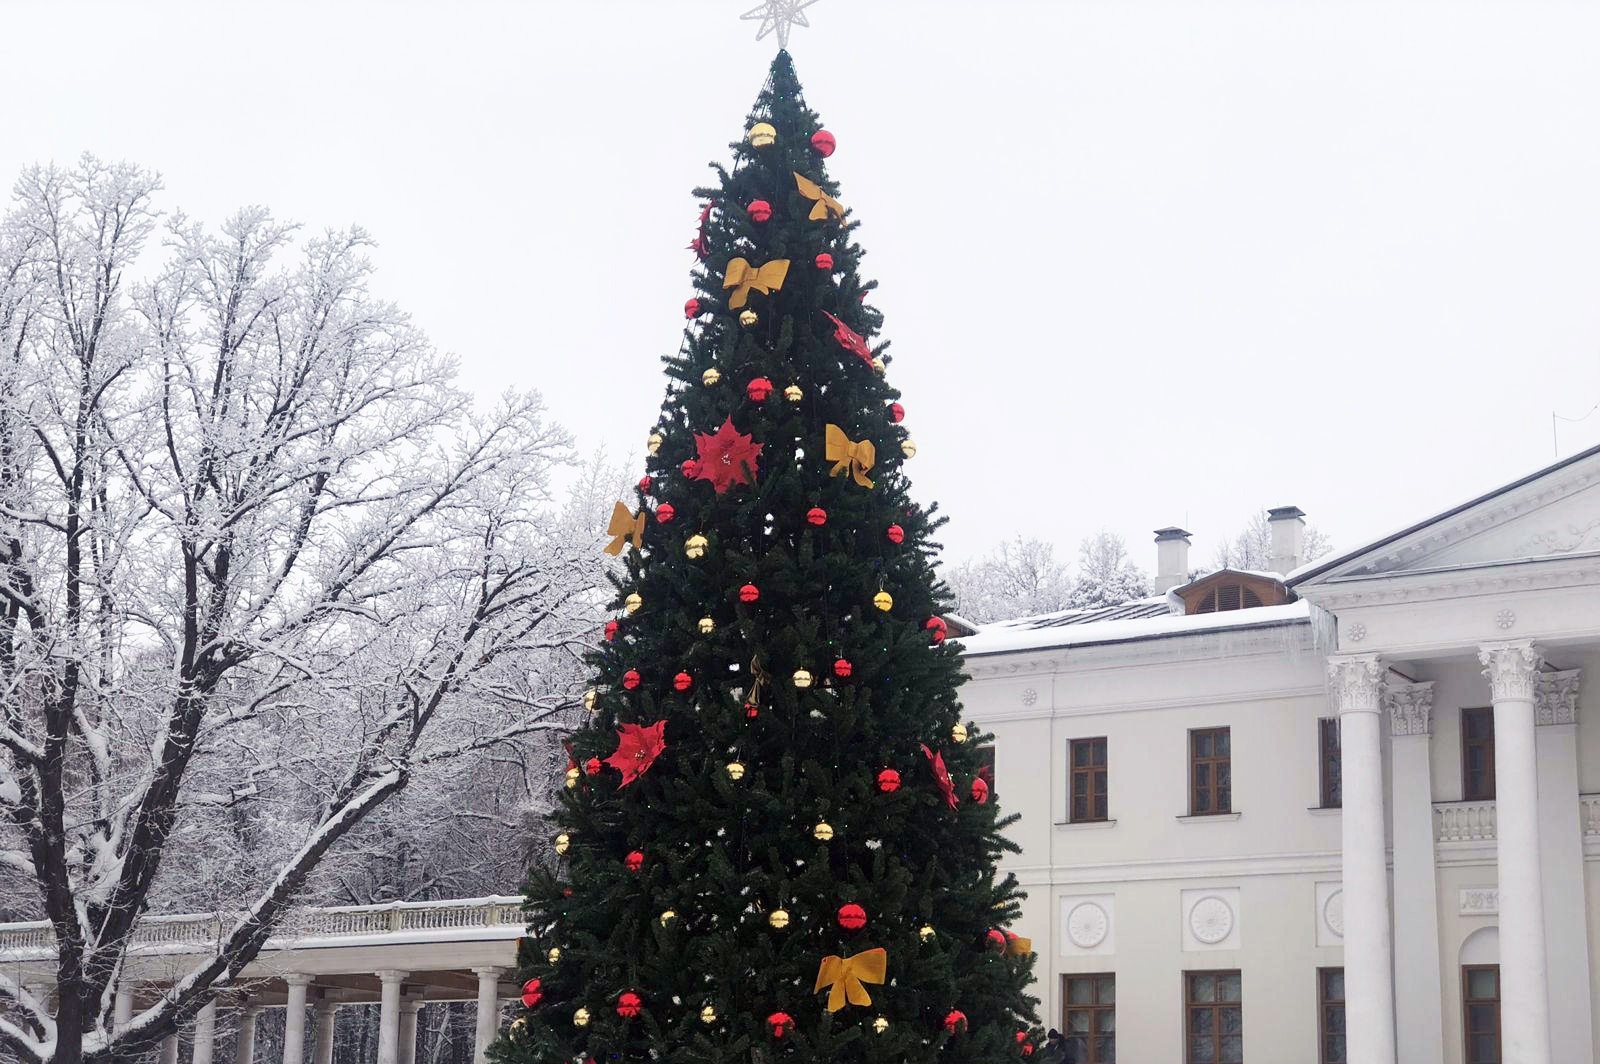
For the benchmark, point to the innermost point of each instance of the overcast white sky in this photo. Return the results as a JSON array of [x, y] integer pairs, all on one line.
[[1143, 263]]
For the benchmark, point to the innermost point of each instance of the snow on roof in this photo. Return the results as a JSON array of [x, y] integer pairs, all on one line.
[[1145, 607], [1014, 636]]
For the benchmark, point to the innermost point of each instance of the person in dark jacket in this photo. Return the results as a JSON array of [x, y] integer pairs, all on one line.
[[1055, 1049]]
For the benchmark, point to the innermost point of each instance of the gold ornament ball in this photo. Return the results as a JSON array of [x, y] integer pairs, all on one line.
[[667, 917], [909, 448], [793, 393], [591, 698], [778, 919], [748, 317], [958, 733], [707, 626], [763, 135], [879, 367], [926, 933], [554, 955], [710, 377], [708, 1015], [823, 832], [519, 1023], [631, 604], [695, 546], [735, 771], [884, 601], [572, 778], [581, 1018], [802, 678], [563, 842], [880, 1025], [653, 445]]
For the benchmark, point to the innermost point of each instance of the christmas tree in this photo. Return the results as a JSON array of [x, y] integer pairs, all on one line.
[[778, 840]]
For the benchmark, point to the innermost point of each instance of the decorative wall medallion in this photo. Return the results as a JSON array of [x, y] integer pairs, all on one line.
[[1505, 619], [1029, 697], [1211, 920], [1333, 912], [1087, 925], [1358, 632]]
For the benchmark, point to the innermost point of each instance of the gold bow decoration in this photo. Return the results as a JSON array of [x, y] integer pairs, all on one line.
[[847, 976], [824, 205], [766, 279], [1017, 946], [625, 524], [857, 458]]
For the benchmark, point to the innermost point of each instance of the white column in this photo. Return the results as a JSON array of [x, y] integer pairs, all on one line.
[[488, 1012], [122, 1008], [389, 1016], [324, 1011], [294, 1018], [1418, 997], [245, 1050], [1555, 713], [408, 1029], [169, 1050], [1524, 995], [205, 1034], [1356, 682]]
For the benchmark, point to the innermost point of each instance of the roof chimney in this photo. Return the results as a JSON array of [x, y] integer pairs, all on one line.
[[1288, 524], [1172, 559]]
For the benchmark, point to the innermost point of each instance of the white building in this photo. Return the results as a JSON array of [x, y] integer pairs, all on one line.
[[1349, 812]]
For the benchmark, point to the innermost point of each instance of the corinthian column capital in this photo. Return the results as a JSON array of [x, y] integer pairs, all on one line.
[[1555, 697], [1355, 682], [1410, 708], [1511, 668]]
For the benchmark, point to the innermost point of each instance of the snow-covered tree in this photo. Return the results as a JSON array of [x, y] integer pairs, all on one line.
[[1018, 578], [1106, 576], [262, 566], [1251, 546]]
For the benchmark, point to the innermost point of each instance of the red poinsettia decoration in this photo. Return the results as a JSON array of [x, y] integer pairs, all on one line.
[[941, 775], [698, 244], [637, 749], [727, 458], [849, 339]]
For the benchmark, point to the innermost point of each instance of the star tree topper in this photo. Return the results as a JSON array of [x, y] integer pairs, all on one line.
[[777, 16]]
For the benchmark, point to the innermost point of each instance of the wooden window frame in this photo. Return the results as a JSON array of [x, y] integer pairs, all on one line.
[[1466, 1002], [1323, 1005], [1216, 1007], [1467, 795], [1096, 1011], [1102, 793], [1330, 793], [1212, 762]]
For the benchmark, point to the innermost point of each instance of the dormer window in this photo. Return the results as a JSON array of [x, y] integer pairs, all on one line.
[[1232, 589], [1227, 597]]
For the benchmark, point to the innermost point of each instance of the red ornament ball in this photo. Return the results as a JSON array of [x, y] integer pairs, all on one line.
[[897, 413], [630, 679], [955, 1020], [666, 512], [816, 516], [758, 389], [531, 994], [634, 861], [822, 143], [1022, 1036], [566, 892], [629, 1005], [852, 917], [682, 682], [896, 534], [751, 711], [760, 210], [749, 593], [592, 766], [888, 781], [996, 939], [1027, 1049], [842, 668], [691, 469], [691, 309], [824, 261], [780, 1024], [937, 628], [980, 790], [612, 628], [644, 484]]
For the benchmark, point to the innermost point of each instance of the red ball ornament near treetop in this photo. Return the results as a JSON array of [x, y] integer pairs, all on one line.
[[749, 593], [888, 781], [691, 309], [816, 516], [824, 261], [612, 628], [896, 534], [691, 469], [629, 1005], [996, 939], [897, 413], [634, 861], [758, 389], [666, 512], [780, 1024], [822, 143], [531, 994], [645, 484], [937, 628], [760, 210], [852, 917], [955, 1020], [682, 682], [842, 668], [630, 679], [980, 790]]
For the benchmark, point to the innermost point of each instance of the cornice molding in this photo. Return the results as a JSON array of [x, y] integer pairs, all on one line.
[[1229, 698], [1490, 578], [1170, 648]]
